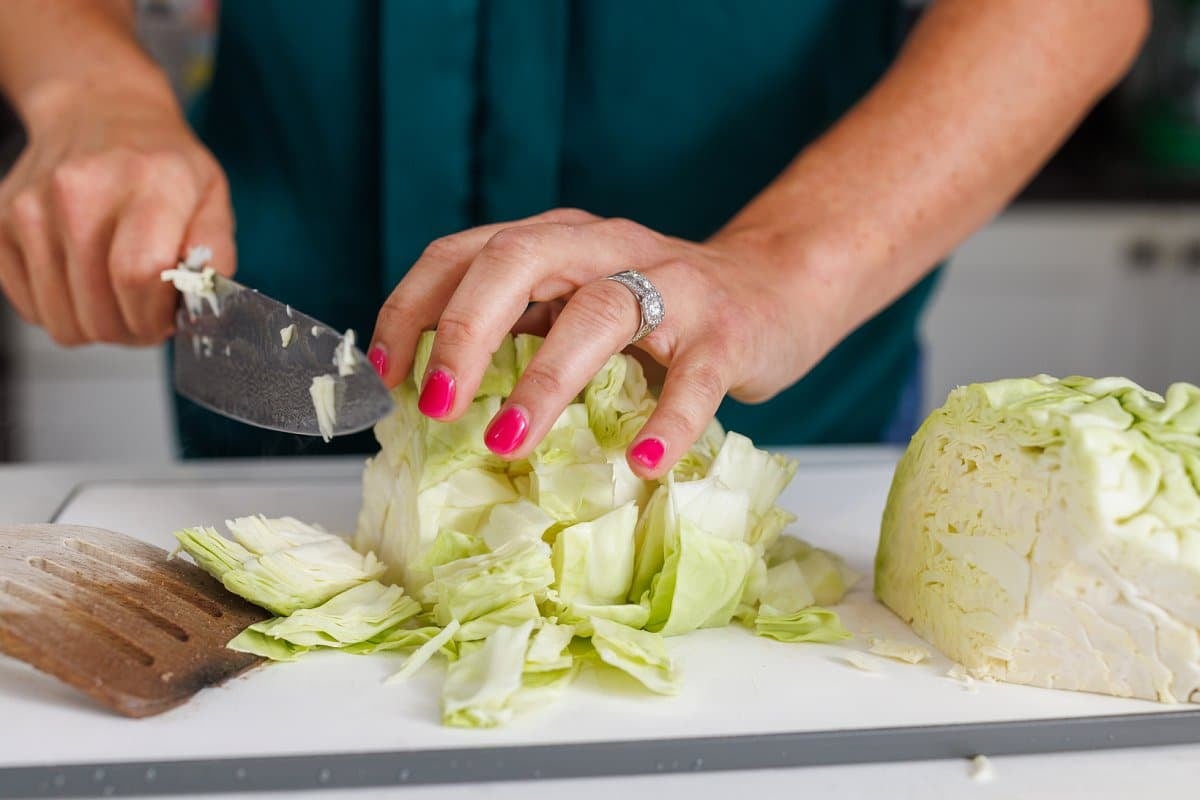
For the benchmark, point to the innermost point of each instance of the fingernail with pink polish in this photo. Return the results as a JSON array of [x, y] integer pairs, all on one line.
[[648, 452], [507, 431], [437, 396], [378, 359]]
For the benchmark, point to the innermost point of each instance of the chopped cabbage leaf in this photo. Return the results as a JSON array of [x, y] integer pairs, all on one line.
[[522, 610], [548, 649], [520, 519], [254, 641], [399, 638], [419, 657], [351, 617], [593, 561], [641, 654], [810, 625], [481, 685], [471, 587], [450, 546], [618, 401], [285, 579]]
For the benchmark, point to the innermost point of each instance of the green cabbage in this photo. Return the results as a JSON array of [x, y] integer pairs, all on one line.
[[1047, 532], [525, 572]]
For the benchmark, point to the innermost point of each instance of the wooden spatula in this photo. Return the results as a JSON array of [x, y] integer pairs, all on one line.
[[113, 617]]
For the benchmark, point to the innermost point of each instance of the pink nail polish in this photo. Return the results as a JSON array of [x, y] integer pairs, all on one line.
[[648, 452], [378, 359], [438, 394], [507, 431]]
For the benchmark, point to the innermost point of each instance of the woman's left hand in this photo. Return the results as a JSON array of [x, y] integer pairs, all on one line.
[[730, 326]]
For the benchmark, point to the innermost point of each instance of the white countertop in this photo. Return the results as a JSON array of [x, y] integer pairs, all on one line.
[[32, 493]]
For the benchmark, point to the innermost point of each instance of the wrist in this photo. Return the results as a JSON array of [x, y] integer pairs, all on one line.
[[146, 89], [807, 277]]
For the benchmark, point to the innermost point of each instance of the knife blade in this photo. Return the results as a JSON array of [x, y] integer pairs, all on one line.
[[233, 355]]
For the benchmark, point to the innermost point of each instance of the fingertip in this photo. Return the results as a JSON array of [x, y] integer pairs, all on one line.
[[377, 356], [507, 431], [437, 393], [646, 456]]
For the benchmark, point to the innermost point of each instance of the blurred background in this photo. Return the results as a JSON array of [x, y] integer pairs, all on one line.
[[1093, 270]]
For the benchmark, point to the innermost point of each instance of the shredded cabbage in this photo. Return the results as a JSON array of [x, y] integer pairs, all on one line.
[[527, 572]]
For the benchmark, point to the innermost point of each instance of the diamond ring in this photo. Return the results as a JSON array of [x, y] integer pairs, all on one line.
[[648, 298]]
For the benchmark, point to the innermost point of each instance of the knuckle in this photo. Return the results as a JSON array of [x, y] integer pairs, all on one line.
[[457, 331], [66, 337], [568, 216], [677, 271], [704, 381], [72, 177], [169, 167], [103, 330], [545, 378], [440, 249], [126, 278], [27, 210], [513, 246], [622, 228], [603, 305], [675, 424]]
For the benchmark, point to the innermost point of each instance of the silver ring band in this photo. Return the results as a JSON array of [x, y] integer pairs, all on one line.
[[648, 298]]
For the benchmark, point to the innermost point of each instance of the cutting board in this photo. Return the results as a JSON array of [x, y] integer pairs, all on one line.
[[746, 701]]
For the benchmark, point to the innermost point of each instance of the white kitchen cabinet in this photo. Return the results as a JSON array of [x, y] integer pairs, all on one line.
[[95, 403], [1086, 290]]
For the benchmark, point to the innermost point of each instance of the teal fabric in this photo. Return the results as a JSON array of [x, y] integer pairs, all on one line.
[[353, 133]]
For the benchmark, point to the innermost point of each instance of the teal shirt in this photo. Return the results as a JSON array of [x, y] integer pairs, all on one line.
[[353, 133]]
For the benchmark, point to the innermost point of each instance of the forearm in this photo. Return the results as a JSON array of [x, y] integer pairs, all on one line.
[[981, 95], [51, 49]]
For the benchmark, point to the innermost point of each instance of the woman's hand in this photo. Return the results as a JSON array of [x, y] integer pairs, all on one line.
[[726, 329], [110, 190]]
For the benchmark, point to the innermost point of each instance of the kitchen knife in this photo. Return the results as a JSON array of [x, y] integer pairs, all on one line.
[[254, 359]]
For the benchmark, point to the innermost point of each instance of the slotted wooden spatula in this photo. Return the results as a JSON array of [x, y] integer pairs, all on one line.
[[115, 618]]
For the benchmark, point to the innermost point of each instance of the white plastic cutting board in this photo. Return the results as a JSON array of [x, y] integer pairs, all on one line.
[[733, 682]]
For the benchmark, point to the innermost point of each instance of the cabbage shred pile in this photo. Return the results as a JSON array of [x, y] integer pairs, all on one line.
[[521, 573]]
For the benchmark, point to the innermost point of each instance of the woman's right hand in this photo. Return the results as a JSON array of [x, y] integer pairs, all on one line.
[[111, 189]]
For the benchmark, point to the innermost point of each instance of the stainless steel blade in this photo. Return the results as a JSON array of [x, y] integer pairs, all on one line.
[[233, 361]]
